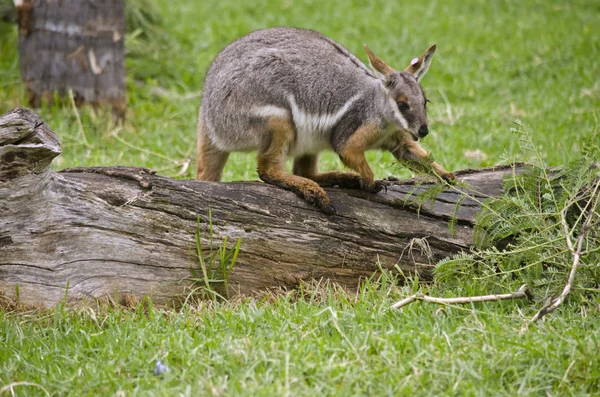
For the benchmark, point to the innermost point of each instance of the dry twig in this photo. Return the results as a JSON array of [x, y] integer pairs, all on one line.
[[523, 292]]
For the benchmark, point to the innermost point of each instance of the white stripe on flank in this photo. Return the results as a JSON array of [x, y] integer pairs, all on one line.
[[307, 123], [270, 111], [312, 130]]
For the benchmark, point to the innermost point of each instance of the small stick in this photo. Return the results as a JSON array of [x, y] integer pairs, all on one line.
[[405, 301], [523, 292]]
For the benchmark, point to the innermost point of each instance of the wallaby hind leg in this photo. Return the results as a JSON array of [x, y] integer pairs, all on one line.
[[210, 161], [271, 167], [306, 166]]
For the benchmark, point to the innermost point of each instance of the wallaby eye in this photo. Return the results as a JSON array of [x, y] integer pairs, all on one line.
[[403, 106], [426, 102]]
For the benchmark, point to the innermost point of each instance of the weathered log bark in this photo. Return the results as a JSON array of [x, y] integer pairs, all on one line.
[[73, 45], [127, 232]]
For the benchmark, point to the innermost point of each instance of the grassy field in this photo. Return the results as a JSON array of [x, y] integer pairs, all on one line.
[[536, 61], [327, 344]]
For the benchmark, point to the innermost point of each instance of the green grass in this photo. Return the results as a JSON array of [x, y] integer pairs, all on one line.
[[328, 343], [537, 61]]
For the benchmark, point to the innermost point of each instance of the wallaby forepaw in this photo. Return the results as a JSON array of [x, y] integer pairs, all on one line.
[[381, 185], [375, 187], [449, 177]]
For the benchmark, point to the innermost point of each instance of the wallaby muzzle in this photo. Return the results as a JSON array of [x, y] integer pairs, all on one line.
[[423, 131]]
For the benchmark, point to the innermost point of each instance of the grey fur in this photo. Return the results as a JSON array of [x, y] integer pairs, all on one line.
[[264, 69]]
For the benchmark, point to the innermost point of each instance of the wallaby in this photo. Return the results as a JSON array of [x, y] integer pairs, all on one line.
[[294, 92]]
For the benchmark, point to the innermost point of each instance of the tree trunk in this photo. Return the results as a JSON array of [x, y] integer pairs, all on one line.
[[73, 45], [123, 231], [7, 11]]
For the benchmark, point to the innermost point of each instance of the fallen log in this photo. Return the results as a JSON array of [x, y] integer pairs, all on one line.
[[127, 233]]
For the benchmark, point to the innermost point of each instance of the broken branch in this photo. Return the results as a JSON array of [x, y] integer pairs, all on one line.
[[523, 292]]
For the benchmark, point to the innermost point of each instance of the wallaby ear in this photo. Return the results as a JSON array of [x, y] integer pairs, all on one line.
[[381, 67], [419, 66]]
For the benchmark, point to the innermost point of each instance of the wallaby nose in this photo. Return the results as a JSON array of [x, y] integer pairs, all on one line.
[[423, 131]]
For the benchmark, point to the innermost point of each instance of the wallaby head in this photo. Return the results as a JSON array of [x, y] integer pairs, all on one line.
[[404, 89]]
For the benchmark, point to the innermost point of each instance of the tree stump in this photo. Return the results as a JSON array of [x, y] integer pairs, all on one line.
[[126, 232], [73, 45]]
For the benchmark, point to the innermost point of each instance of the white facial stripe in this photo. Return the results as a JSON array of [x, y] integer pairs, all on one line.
[[270, 111], [398, 115]]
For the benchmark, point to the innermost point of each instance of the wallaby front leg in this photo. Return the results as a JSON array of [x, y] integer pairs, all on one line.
[[352, 155], [415, 157], [271, 167], [307, 167]]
